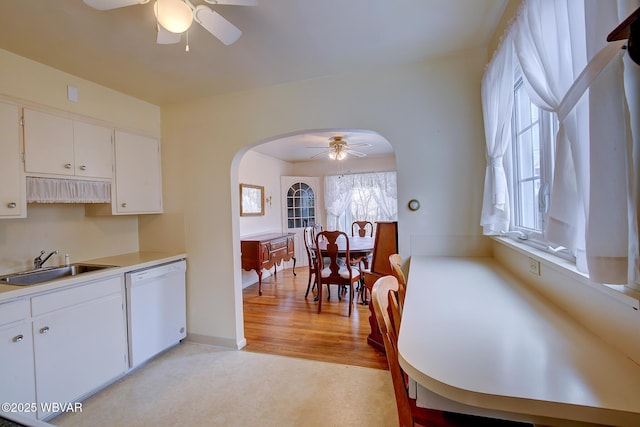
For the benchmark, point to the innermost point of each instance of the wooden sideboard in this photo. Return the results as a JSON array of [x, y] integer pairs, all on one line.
[[386, 243], [265, 251]]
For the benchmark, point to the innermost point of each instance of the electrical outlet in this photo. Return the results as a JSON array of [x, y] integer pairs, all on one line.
[[534, 266]]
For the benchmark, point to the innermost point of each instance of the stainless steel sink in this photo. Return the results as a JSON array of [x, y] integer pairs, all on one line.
[[46, 274]]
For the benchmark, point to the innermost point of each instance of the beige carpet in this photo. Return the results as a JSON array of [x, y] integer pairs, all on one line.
[[199, 385]]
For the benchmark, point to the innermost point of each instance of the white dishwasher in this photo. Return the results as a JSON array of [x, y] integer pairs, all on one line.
[[156, 309]]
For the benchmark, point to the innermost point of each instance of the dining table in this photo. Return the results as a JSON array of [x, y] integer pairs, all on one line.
[[359, 247]]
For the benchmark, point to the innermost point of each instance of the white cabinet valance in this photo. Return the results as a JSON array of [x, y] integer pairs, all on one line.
[[55, 190]]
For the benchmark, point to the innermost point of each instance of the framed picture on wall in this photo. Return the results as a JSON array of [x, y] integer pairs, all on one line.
[[251, 200]]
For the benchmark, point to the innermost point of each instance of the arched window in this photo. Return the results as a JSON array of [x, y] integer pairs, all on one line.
[[301, 206]]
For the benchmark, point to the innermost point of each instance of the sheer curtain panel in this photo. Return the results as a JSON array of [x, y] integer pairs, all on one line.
[[550, 43], [497, 104], [337, 197], [374, 195]]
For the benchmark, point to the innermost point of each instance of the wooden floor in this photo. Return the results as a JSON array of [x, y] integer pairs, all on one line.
[[283, 322]]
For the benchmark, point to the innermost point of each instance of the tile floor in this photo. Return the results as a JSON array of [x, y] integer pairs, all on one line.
[[199, 385]]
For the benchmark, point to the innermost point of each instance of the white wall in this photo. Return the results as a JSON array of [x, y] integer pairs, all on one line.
[[258, 169], [65, 227], [429, 111]]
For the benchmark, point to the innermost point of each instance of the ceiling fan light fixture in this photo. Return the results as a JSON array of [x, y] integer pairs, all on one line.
[[337, 153], [173, 15]]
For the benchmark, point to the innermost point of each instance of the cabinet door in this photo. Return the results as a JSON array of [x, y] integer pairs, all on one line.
[[138, 174], [16, 348], [12, 190], [93, 150], [79, 348], [48, 143]]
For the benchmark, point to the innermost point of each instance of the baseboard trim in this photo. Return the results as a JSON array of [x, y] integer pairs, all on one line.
[[216, 341]]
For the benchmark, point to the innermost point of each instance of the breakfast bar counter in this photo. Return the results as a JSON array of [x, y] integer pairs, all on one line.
[[474, 334]]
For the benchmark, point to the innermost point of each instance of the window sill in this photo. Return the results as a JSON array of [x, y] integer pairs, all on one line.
[[622, 293]]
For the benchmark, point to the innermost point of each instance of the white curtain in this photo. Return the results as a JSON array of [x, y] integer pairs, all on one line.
[[55, 190], [611, 217], [562, 49], [337, 197], [379, 188], [550, 43], [384, 190], [632, 89], [497, 104]]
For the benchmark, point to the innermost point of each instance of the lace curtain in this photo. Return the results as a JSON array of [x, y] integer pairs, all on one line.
[[356, 191]]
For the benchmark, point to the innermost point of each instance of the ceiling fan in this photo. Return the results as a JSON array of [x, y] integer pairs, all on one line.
[[339, 149], [175, 17]]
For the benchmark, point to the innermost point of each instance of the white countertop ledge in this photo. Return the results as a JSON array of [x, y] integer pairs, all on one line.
[[124, 263], [473, 333]]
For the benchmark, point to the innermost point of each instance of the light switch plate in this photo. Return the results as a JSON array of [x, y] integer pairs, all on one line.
[[72, 93]]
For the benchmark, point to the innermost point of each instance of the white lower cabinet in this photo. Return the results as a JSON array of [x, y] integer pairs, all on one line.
[[17, 386], [79, 341]]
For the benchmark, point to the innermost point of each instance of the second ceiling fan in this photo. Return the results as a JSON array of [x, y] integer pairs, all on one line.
[[175, 17], [339, 149]]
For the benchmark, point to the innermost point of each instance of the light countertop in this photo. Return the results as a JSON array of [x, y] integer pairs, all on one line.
[[471, 332], [122, 264]]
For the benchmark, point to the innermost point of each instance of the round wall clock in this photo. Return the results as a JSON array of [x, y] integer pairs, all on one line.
[[414, 205]]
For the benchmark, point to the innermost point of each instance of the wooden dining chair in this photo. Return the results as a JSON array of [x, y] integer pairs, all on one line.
[[362, 228], [396, 269], [334, 272], [384, 296], [311, 256]]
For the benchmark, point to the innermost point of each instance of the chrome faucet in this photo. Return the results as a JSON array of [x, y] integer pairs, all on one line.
[[38, 262]]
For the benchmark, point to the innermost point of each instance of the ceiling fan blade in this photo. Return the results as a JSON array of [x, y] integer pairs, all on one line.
[[323, 154], [112, 4], [213, 22], [234, 2], [359, 144], [355, 153], [166, 37]]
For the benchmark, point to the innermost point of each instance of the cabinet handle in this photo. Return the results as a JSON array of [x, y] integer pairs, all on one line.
[[83, 167], [18, 338], [44, 330], [124, 205], [67, 166], [12, 205]]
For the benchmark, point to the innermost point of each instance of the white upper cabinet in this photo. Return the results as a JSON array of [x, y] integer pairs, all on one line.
[[138, 181], [12, 190], [93, 150], [56, 145]]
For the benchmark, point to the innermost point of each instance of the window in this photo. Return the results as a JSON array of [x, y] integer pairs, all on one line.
[[363, 207], [533, 145], [301, 210], [360, 197], [532, 148]]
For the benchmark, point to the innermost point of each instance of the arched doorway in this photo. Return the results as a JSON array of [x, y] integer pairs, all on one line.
[[297, 202]]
